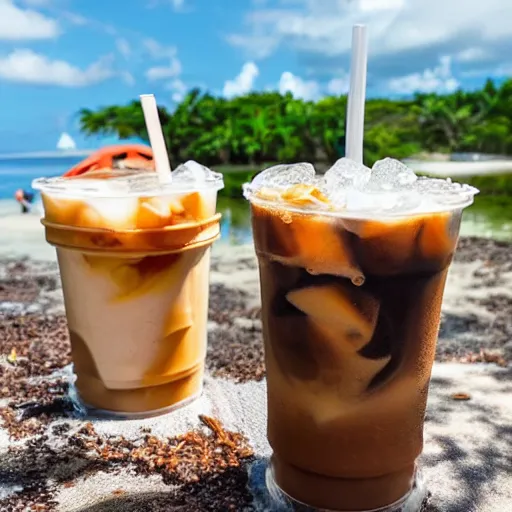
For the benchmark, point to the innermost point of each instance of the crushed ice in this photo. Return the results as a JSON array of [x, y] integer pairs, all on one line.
[[187, 175], [389, 174], [192, 171], [389, 186], [282, 176]]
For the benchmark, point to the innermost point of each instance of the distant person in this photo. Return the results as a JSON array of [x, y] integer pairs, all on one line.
[[25, 198]]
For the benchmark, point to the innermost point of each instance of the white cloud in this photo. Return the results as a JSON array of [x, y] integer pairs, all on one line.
[[171, 70], [17, 24], [160, 72], [258, 47], [177, 5], [127, 78], [503, 70], [472, 54], [396, 25], [307, 90], [243, 83], [26, 66], [123, 46], [339, 85], [37, 3], [406, 36], [79, 20], [439, 79], [381, 5], [178, 90], [157, 50]]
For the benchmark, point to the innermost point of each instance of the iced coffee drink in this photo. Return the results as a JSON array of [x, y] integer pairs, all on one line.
[[352, 267], [134, 263]]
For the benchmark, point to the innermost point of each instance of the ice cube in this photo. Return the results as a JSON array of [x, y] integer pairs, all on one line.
[[110, 213], [153, 212], [342, 178], [106, 187], [346, 173], [358, 201], [192, 171], [336, 314], [309, 233], [390, 188], [140, 182], [445, 192], [390, 174], [61, 210], [387, 202], [283, 176], [194, 205]]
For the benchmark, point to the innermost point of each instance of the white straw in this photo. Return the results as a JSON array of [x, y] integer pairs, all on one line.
[[354, 130], [156, 137]]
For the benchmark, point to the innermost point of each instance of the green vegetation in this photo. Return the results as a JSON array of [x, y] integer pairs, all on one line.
[[238, 137], [233, 183], [258, 128], [492, 185]]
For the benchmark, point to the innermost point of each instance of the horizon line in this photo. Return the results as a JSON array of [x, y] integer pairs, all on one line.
[[52, 153]]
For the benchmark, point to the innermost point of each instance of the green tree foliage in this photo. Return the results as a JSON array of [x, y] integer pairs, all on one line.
[[267, 127]]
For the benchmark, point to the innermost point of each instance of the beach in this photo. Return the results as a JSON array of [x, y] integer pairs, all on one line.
[[22, 236], [357, 361], [56, 458]]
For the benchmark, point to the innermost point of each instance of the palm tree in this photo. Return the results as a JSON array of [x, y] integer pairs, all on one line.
[[268, 126], [443, 119], [328, 126]]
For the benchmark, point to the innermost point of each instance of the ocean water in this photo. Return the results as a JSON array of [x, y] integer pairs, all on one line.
[[19, 172], [23, 235]]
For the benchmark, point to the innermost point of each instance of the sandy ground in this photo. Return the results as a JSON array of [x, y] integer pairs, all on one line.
[[467, 458]]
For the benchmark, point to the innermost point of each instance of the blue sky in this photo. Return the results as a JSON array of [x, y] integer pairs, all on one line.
[[57, 56]]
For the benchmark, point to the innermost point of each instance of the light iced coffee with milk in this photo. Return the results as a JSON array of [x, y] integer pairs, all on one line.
[[352, 268], [134, 261]]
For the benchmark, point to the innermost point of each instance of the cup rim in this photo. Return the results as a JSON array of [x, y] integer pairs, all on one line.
[[466, 199], [92, 186]]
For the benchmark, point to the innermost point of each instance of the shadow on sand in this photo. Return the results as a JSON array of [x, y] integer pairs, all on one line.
[[474, 466], [33, 468], [221, 493]]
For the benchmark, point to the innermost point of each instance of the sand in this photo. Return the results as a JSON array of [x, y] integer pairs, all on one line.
[[467, 458], [466, 461]]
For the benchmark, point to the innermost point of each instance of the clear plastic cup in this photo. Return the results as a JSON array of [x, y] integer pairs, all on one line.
[[134, 263], [351, 306]]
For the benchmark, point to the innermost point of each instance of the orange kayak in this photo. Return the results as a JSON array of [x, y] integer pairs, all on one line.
[[133, 156]]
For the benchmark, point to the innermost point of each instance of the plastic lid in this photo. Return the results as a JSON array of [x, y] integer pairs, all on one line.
[[188, 177]]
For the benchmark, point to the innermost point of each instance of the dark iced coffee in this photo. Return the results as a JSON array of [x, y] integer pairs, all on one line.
[[350, 308]]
